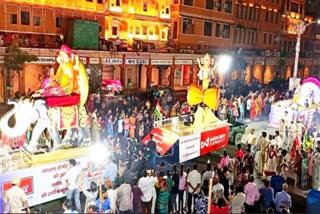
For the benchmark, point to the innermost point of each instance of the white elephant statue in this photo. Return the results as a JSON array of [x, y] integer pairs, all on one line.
[[27, 112]]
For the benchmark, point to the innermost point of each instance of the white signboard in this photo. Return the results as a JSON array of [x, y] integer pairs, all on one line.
[[41, 183], [189, 147], [111, 61], [142, 61], [93, 60], [161, 62], [45, 60], [183, 62], [131, 61]]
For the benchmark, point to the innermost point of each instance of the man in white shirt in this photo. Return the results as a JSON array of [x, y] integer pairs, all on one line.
[[207, 174], [278, 140], [292, 134], [71, 179], [146, 184], [251, 138], [194, 185]]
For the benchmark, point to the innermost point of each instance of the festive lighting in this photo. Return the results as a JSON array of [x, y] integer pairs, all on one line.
[[224, 63], [99, 153]]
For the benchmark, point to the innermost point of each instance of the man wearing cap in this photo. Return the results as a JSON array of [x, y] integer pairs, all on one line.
[[16, 198]]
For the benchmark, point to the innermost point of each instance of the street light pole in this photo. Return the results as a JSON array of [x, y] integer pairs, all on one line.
[[301, 27]]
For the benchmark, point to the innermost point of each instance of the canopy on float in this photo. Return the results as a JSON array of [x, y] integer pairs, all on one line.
[[112, 85]]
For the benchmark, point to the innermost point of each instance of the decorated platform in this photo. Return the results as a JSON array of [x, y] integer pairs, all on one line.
[[304, 107]]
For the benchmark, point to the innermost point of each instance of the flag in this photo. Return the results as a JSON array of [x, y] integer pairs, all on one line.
[[158, 111]]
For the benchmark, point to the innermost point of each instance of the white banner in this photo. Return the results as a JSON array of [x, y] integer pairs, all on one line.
[[93, 60], [189, 147], [45, 60], [41, 183], [161, 62], [110, 61], [183, 62]]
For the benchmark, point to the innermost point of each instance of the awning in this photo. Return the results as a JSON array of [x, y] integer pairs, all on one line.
[[164, 139], [112, 84]]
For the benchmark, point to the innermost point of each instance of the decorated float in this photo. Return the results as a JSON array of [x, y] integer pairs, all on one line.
[[59, 106], [304, 107], [192, 135]]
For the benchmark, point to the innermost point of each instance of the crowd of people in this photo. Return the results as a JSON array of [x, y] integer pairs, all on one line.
[[133, 181]]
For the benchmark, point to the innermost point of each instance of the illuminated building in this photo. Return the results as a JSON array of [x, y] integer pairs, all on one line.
[[41, 26]]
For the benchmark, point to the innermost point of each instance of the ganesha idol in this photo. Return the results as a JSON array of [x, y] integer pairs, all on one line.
[[207, 99], [58, 105]]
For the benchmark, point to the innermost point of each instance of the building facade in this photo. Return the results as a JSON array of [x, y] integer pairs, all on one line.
[[157, 42]]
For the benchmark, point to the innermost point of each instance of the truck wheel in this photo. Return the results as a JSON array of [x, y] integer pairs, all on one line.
[[237, 138]]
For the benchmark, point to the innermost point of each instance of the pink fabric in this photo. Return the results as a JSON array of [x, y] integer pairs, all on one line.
[[182, 181], [252, 193], [126, 123], [224, 161]]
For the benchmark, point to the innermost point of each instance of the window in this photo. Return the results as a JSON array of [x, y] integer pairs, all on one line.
[[89, 0], [267, 16], [294, 7], [227, 7], [118, 3], [264, 38], [151, 32], [175, 30], [209, 4], [258, 15], [137, 31], [36, 20], [176, 1], [235, 36], [244, 10], [25, 18], [144, 30], [167, 10], [187, 25], [219, 5], [217, 30], [99, 1], [58, 21], [270, 39], [188, 2], [226, 31], [271, 17], [250, 13], [13, 19], [145, 6], [114, 31], [207, 29], [237, 10], [163, 34]]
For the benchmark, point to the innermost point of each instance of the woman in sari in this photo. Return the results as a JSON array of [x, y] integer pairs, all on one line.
[[271, 167], [132, 127], [164, 194], [253, 109]]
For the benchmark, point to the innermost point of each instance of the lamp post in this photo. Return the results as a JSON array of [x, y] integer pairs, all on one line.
[[300, 27]]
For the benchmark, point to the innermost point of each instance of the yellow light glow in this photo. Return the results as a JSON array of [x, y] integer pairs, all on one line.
[[275, 10], [165, 16], [131, 10], [251, 4], [106, 34], [130, 35], [151, 37], [116, 9], [245, 4], [263, 7], [270, 9]]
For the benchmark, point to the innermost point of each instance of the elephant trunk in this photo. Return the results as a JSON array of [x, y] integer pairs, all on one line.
[[20, 126]]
